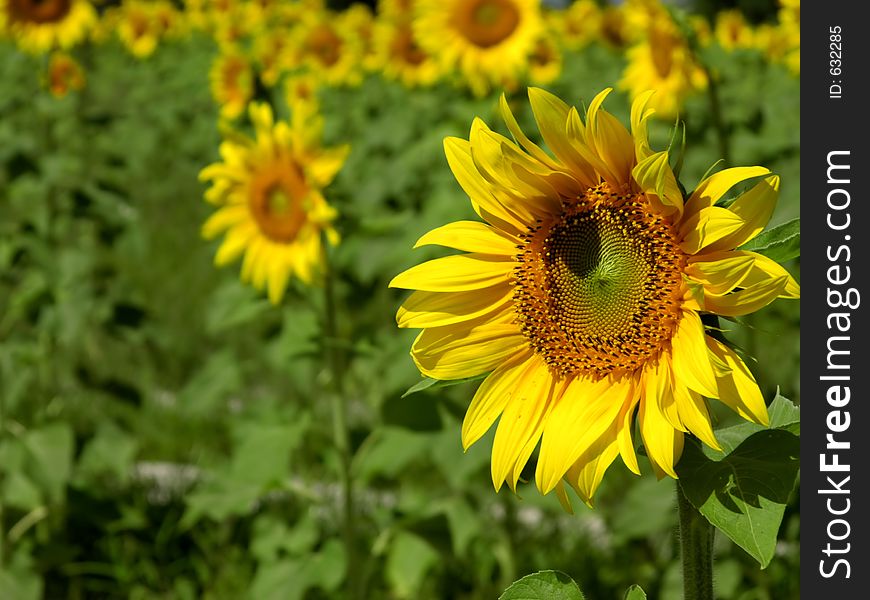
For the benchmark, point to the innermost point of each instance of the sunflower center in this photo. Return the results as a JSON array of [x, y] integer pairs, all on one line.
[[325, 45], [597, 289], [38, 11], [405, 47], [486, 23], [277, 202]]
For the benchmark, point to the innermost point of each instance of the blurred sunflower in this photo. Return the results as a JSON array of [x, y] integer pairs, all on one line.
[[400, 57], [582, 295], [64, 75], [231, 80], [488, 41], [395, 9], [138, 28], [269, 190], [325, 44], [665, 63], [613, 27], [732, 31], [42, 25], [577, 25], [545, 61], [271, 52]]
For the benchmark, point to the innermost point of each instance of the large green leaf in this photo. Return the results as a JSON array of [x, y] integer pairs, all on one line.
[[781, 243], [743, 490], [544, 585]]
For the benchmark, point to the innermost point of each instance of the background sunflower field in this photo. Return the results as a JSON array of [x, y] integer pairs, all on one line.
[[166, 431]]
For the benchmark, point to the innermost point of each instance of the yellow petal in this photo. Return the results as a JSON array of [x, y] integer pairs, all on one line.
[[654, 176], [455, 274], [610, 139], [658, 384], [663, 443], [754, 208], [491, 397], [623, 435], [691, 363], [471, 236], [458, 152], [640, 114], [737, 386], [714, 187], [278, 275], [467, 349], [521, 137], [694, 414], [223, 219], [707, 226], [764, 268], [238, 238], [586, 474], [579, 417], [551, 115], [720, 272], [436, 309], [748, 300], [521, 420]]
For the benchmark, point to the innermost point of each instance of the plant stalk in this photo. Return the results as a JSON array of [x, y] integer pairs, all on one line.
[[696, 547], [716, 113], [340, 432]]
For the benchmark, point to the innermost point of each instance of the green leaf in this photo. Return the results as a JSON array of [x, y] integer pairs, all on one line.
[[544, 585], [427, 383], [635, 592], [20, 584], [781, 243], [408, 561], [744, 492], [50, 453]]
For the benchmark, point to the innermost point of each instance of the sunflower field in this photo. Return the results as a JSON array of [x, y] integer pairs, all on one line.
[[405, 299]]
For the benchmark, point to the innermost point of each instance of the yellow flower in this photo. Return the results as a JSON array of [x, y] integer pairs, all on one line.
[[138, 28], [396, 9], [232, 83], [582, 291], [64, 75], [545, 61], [325, 44], [269, 190], [271, 52], [732, 31], [42, 25], [663, 62], [487, 41], [400, 57], [577, 25]]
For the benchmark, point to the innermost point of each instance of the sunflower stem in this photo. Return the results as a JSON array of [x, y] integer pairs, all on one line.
[[696, 547], [340, 432], [716, 114]]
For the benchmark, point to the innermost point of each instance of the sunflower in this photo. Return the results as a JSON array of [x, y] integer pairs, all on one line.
[[545, 61], [487, 41], [42, 25], [269, 190], [665, 63], [582, 295], [138, 28], [577, 25], [400, 57], [326, 45], [732, 31], [64, 75], [231, 79]]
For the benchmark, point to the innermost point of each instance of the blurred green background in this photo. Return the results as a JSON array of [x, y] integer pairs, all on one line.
[[163, 429]]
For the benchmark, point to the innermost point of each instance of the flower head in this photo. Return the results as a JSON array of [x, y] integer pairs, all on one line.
[[269, 192], [582, 291], [487, 41], [43, 25]]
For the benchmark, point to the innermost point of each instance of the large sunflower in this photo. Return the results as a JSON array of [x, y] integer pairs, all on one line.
[[269, 190], [488, 41], [582, 295], [42, 25]]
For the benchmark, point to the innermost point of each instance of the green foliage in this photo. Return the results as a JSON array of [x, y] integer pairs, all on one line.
[[780, 243], [545, 585], [744, 489]]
